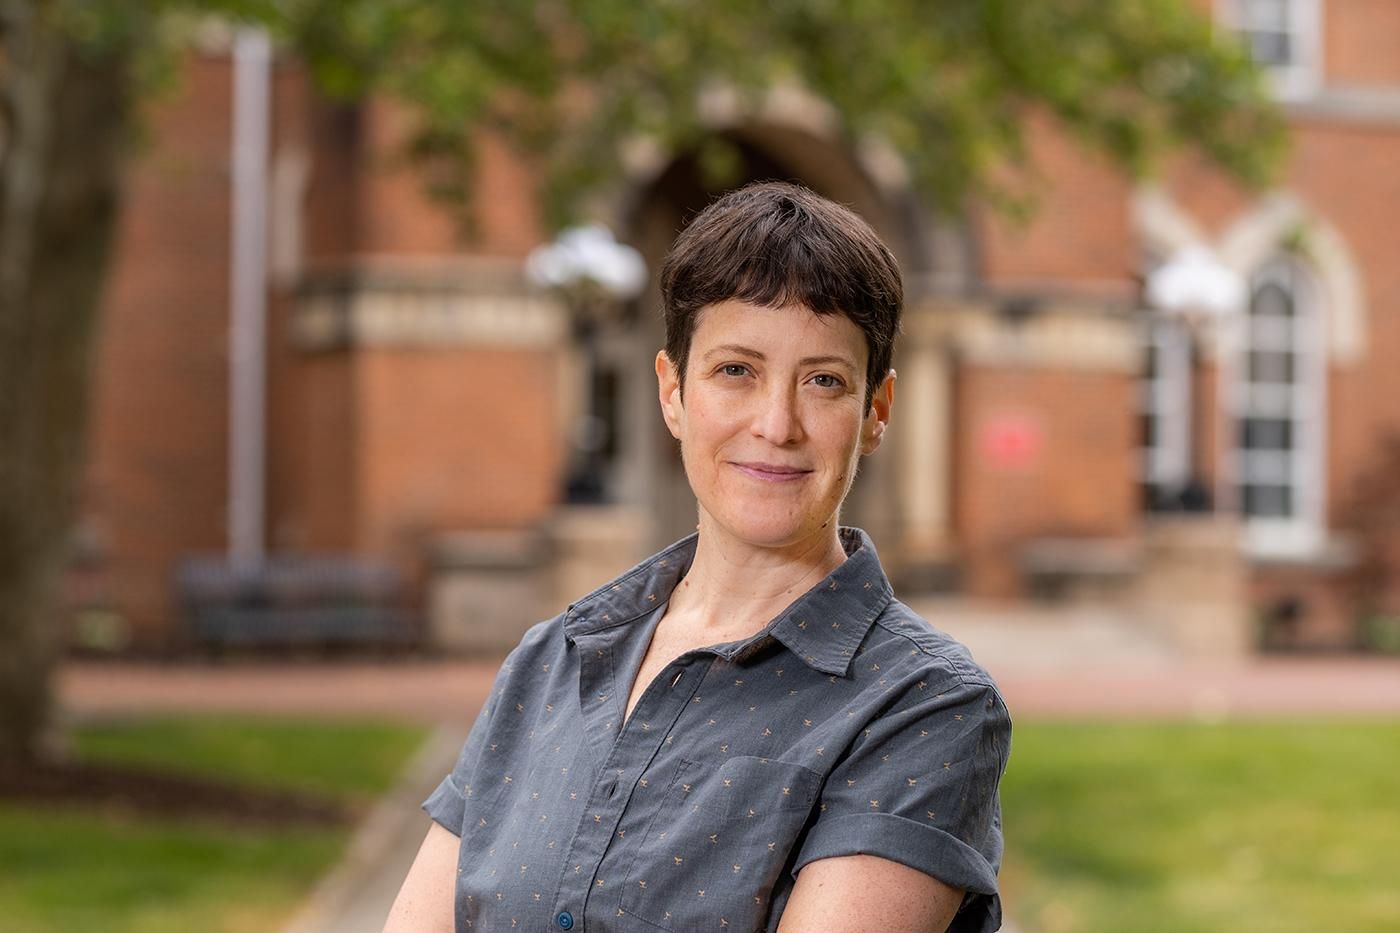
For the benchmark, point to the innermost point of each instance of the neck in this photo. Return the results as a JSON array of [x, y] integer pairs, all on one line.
[[733, 590]]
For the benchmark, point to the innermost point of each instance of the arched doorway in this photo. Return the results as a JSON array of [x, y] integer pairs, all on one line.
[[648, 472]]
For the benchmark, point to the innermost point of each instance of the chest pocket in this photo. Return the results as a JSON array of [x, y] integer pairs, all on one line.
[[719, 843]]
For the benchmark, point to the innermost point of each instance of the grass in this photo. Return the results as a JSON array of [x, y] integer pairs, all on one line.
[[1189, 828], [343, 760], [85, 868]]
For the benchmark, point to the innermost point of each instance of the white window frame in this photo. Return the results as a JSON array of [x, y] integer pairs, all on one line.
[[1166, 397], [1303, 402], [1302, 76]]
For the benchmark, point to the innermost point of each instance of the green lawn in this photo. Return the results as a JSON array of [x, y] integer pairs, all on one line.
[[1185, 828], [83, 868], [342, 760]]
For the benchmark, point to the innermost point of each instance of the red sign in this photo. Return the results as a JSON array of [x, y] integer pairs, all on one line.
[[1011, 441]]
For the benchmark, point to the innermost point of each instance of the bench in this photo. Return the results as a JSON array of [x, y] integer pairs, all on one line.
[[1057, 568], [294, 600]]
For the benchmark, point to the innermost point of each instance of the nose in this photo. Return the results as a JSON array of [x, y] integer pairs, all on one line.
[[776, 418]]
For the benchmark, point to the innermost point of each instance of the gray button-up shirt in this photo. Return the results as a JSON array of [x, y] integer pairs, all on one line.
[[848, 725]]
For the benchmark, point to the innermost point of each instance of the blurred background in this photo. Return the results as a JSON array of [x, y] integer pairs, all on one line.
[[326, 371]]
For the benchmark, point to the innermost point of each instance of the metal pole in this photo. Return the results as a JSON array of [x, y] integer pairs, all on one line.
[[252, 54]]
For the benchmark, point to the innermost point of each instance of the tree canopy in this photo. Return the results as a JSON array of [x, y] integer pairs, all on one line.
[[948, 83]]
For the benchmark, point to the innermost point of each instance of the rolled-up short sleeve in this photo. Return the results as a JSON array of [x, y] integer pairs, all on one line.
[[919, 787], [447, 804]]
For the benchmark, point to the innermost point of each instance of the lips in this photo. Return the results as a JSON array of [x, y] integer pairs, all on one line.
[[771, 472]]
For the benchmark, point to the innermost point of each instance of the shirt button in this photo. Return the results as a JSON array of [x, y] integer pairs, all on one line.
[[565, 920]]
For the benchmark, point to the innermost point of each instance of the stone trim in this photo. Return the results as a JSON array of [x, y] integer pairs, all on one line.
[[1059, 334], [1349, 103], [1283, 223], [425, 305]]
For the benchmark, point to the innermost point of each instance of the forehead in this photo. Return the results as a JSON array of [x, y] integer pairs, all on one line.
[[784, 330]]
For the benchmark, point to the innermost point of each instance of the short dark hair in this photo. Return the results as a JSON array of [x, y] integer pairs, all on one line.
[[774, 244]]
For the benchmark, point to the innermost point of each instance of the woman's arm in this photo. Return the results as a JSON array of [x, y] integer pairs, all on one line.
[[856, 893], [425, 902]]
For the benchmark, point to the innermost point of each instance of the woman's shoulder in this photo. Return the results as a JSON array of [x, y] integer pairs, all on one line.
[[899, 632], [934, 678], [542, 638]]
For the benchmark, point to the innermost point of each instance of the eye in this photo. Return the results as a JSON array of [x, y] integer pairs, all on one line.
[[828, 381], [734, 369]]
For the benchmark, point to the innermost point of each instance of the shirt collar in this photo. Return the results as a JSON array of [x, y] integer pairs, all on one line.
[[634, 594], [824, 627]]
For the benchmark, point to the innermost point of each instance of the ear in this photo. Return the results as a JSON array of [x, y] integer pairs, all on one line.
[[668, 387], [878, 418]]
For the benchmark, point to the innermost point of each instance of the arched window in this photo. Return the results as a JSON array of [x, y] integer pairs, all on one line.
[[1278, 406]]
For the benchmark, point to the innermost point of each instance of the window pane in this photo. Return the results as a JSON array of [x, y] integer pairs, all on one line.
[[1150, 497], [1271, 48], [1268, 501], [1162, 497], [1270, 367], [1272, 299], [1266, 434], [1149, 362], [1149, 431]]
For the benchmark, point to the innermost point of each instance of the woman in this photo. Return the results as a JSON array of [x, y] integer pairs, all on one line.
[[745, 731]]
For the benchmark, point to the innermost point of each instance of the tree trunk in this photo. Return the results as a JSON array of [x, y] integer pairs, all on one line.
[[65, 112]]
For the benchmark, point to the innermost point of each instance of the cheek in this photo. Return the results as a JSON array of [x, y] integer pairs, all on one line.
[[849, 459], [844, 446], [708, 424]]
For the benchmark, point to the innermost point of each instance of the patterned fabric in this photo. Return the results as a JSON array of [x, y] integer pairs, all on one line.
[[848, 725]]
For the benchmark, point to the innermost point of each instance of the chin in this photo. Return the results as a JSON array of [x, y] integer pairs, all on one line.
[[776, 532]]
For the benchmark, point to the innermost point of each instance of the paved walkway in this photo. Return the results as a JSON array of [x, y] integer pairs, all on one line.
[[421, 691], [1049, 665], [1085, 663], [450, 692]]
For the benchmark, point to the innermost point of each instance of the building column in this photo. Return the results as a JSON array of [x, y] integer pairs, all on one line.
[[923, 477]]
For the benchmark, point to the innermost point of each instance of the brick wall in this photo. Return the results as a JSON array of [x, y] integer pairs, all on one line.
[[1079, 481], [1079, 235], [453, 438], [397, 217], [1361, 42], [155, 486]]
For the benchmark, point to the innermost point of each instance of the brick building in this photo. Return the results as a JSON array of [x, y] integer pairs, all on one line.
[[1052, 433]]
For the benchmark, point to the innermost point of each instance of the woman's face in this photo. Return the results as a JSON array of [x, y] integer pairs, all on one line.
[[773, 419]]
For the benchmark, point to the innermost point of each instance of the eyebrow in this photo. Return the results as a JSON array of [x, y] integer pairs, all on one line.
[[741, 350]]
